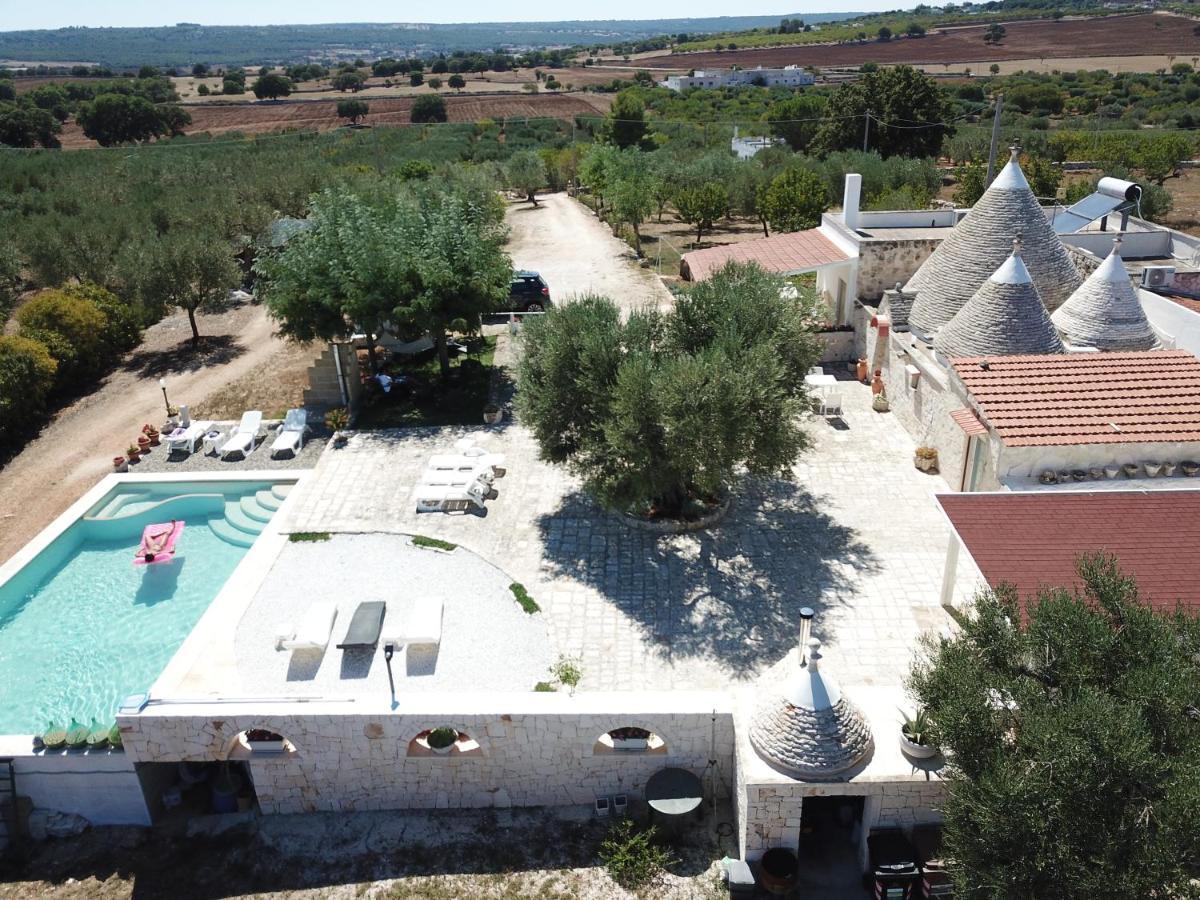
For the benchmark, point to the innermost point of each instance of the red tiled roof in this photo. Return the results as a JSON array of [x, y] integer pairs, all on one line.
[[967, 421], [780, 253], [1086, 398], [1186, 302], [1032, 540]]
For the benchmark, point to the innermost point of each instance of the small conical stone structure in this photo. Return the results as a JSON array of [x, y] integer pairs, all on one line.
[[809, 729], [1105, 312], [978, 245], [1006, 317]]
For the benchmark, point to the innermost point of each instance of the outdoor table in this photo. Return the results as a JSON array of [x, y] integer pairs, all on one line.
[[673, 794], [820, 382]]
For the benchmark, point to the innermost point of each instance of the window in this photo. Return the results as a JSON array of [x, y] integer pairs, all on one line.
[[630, 739], [443, 740]]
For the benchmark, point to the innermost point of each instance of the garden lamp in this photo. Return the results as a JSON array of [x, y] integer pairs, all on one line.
[[162, 383]]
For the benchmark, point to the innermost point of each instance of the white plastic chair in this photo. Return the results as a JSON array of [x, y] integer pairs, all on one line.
[[242, 439], [291, 432], [831, 404]]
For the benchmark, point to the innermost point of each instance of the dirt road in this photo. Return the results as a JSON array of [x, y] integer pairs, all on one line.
[[577, 254], [75, 450]]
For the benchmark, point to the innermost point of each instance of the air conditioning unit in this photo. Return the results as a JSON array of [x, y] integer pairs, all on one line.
[[1158, 276]]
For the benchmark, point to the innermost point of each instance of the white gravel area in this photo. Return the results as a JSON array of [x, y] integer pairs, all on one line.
[[487, 638]]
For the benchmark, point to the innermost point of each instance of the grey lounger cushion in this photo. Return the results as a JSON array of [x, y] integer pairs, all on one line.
[[364, 626]]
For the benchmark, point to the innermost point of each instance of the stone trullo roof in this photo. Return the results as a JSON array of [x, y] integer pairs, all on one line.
[[1105, 312], [808, 729], [978, 245], [1006, 317]]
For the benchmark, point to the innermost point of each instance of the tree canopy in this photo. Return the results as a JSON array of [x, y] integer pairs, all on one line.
[[113, 119], [795, 200], [526, 172], [797, 118], [428, 108], [272, 87], [626, 123], [1073, 735], [660, 411], [898, 99], [352, 110]]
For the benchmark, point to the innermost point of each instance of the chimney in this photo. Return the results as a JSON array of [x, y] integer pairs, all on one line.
[[850, 200], [806, 617]]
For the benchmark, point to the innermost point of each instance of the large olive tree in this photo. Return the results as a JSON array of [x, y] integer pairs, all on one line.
[[658, 411], [1073, 734]]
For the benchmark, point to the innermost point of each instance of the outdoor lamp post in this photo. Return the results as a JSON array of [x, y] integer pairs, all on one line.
[[806, 617], [162, 383]]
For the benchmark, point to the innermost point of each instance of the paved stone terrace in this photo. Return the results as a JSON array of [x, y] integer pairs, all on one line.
[[856, 535]]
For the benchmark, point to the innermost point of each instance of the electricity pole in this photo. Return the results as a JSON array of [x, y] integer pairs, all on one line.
[[866, 130], [995, 140]]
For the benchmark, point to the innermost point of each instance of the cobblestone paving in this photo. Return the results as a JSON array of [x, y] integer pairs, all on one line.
[[856, 535]]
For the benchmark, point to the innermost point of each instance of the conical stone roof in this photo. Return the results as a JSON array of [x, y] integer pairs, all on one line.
[[808, 729], [1105, 312], [979, 244], [1006, 317]]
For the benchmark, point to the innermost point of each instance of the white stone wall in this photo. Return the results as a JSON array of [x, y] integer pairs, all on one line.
[[101, 786], [882, 263], [771, 817], [541, 753], [903, 805]]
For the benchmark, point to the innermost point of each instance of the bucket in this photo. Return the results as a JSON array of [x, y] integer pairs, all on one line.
[[780, 870]]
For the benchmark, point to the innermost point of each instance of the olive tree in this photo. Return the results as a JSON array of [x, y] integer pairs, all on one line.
[[702, 205], [795, 200], [1072, 730], [659, 412], [194, 270], [526, 172]]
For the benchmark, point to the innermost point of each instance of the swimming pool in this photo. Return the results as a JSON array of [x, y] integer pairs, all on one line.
[[81, 626]]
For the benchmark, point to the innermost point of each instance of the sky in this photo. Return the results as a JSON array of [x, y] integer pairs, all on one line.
[[21, 14]]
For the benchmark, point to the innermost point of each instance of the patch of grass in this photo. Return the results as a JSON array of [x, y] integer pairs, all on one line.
[[567, 672], [419, 540], [457, 400], [308, 537], [527, 603], [544, 687]]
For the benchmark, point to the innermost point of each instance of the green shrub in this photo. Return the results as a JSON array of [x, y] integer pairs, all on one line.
[[308, 537], [566, 671], [633, 857], [123, 321], [544, 687], [523, 598], [432, 543], [26, 379], [442, 737], [73, 328]]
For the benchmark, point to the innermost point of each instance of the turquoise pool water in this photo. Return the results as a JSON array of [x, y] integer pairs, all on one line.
[[81, 626]]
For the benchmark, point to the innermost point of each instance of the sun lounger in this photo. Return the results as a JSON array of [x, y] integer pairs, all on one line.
[[242, 439], [185, 438], [422, 624], [365, 625], [473, 459], [450, 498], [156, 533], [291, 432], [314, 630], [457, 477]]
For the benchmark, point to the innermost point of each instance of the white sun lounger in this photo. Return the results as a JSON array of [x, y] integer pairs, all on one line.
[[314, 630], [291, 433], [187, 438], [483, 474], [422, 624], [450, 498], [467, 462], [242, 439]]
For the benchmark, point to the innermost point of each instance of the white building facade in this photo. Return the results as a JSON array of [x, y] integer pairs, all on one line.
[[789, 76]]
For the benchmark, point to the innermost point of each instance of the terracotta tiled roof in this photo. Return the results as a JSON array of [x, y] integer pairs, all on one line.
[[1032, 540], [780, 253], [1186, 302], [968, 422], [1086, 398]]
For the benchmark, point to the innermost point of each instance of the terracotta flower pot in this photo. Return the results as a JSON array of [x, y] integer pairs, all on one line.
[[119, 462]]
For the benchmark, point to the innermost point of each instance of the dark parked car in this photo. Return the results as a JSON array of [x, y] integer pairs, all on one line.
[[528, 293]]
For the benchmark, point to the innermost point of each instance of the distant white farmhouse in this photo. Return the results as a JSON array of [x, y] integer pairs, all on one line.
[[790, 76], [746, 147]]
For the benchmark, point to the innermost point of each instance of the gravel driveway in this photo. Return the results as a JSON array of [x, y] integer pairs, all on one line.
[[577, 254]]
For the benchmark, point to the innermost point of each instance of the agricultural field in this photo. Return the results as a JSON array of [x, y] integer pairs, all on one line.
[[254, 117], [1152, 34]]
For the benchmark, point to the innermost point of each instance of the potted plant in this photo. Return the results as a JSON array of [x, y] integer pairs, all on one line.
[[143, 443], [1048, 476], [492, 414], [916, 736], [630, 738], [1152, 467], [926, 459], [153, 435], [260, 740], [1168, 469], [335, 421], [879, 402], [1130, 469], [120, 464], [133, 452], [1112, 471], [1190, 467], [441, 740]]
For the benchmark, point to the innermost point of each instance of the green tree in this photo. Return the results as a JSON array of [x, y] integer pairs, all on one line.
[[797, 118], [1073, 743], [702, 205], [897, 99], [8, 91], [347, 81], [884, 33], [352, 110], [27, 376], [994, 68], [194, 270], [971, 182], [1159, 159], [658, 411], [435, 83], [456, 81], [272, 87], [526, 172], [416, 79], [113, 119], [626, 125], [795, 200], [72, 328], [148, 72], [429, 265], [200, 70], [915, 30], [28, 126], [233, 87], [10, 279], [428, 108], [598, 171], [994, 33], [632, 193]]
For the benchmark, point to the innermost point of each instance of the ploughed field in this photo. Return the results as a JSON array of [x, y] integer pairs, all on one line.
[[1107, 36], [321, 115]]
